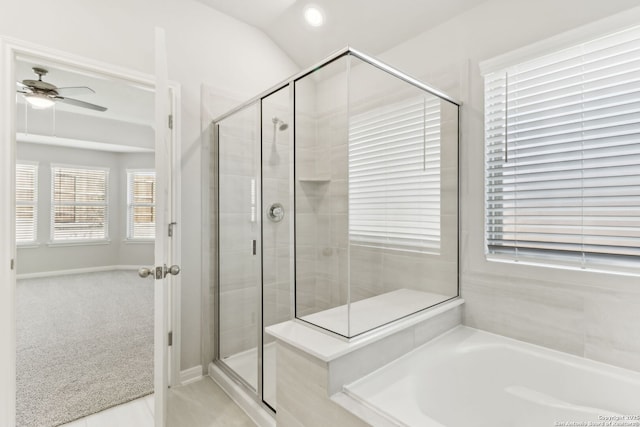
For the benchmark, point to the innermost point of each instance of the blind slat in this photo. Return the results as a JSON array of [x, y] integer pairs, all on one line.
[[80, 198], [26, 202], [394, 176], [141, 211]]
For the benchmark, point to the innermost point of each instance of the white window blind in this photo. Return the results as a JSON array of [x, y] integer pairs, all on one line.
[[26, 202], [141, 204], [563, 155], [394, 176], [79, 203]]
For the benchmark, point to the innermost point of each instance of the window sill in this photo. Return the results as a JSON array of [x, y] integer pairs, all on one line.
[[139, 241], [79, 243], [30, 245], [621, 270]]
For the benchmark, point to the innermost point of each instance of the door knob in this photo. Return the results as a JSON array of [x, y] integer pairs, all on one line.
[[158, 272], [173, 270], [145, 272]]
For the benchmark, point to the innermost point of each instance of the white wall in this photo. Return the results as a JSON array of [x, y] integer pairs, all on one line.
[[563, 309], [204, 46], [46, 258]]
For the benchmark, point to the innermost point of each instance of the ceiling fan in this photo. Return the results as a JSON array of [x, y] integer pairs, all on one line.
[[40, 94]]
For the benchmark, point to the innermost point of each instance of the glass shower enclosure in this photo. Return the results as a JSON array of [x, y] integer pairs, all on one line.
[[336, 205]]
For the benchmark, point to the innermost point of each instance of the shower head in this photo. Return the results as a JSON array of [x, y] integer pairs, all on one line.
[[281, 125]]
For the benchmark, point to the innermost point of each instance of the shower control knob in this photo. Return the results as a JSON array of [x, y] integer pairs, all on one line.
[[275, 212]]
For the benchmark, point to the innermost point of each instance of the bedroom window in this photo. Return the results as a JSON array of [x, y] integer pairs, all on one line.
[[141, 204], [26, 202], [80, 203], [562, 137], [394, 176]]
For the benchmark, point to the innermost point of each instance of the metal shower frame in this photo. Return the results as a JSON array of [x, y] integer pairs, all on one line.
[[289, 82]]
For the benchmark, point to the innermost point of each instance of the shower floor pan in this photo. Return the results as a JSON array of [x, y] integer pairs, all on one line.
[[245, 364]]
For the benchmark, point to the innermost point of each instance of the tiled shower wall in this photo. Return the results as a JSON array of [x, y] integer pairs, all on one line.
[[321, 216]]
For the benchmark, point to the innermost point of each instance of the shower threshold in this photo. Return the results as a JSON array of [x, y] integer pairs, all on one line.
[[244, 364]]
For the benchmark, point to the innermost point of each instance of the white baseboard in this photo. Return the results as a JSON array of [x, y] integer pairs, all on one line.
[[75, 271], [191, 375], [126, 267], [247, 403]]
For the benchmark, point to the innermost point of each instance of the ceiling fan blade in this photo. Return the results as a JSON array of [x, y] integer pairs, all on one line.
[[23, 88], [75, 90], [78, 103]]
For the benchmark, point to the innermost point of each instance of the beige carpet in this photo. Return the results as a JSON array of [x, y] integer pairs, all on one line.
[[84, 344]]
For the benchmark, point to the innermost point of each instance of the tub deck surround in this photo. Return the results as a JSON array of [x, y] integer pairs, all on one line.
[[471, 377], [313, 365], [327, 348]]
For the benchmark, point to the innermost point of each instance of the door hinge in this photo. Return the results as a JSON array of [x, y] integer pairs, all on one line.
[[13, 263], [170, 339], [171, 226], [254, 247], [170, 121]]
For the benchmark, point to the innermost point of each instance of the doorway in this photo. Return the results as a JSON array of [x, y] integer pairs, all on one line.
[[123, 243], [85, 222]]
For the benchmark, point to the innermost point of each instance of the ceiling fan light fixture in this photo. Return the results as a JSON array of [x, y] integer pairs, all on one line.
[[314, 16], [39, 101]]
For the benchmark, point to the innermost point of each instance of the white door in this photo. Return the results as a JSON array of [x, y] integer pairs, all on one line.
[[163, 268]]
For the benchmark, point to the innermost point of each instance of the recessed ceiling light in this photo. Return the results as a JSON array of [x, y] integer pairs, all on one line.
[[313, 16]]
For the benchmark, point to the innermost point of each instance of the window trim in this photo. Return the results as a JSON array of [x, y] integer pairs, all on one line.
[[80, 242], [591, 31]]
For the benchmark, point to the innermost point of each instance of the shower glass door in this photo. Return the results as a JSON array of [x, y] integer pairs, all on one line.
[[239, 309], [276, 230]]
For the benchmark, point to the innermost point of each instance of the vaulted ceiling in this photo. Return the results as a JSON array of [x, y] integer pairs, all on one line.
[[372, 26]]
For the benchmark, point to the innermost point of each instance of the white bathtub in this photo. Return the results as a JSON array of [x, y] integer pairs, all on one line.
[[470, 378]]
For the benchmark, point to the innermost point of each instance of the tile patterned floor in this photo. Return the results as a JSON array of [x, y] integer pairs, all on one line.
[[199, 404]]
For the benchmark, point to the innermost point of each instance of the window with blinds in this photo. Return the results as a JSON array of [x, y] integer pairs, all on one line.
[[563, 155], [141, 204], [394, 176], [26, 202], [79, 210]]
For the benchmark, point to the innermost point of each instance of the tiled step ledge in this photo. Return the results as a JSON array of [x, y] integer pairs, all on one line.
[[327, 348], [350, 360], [312, 366]]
